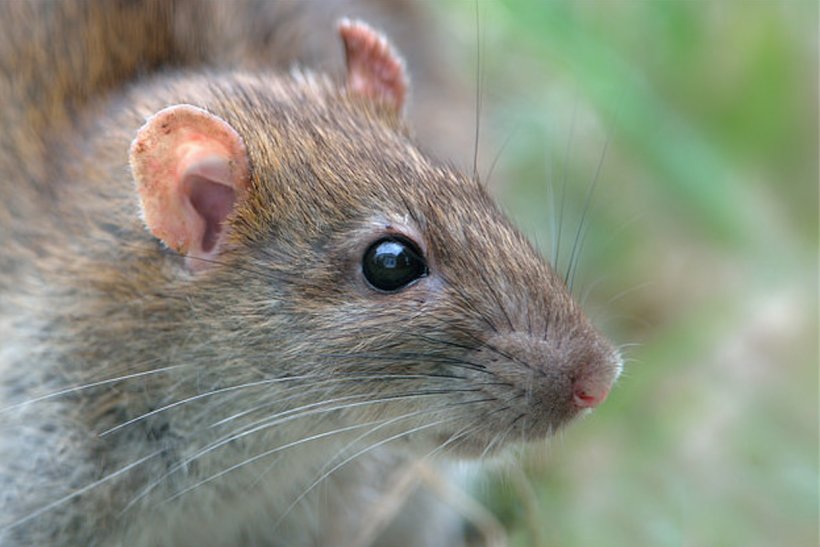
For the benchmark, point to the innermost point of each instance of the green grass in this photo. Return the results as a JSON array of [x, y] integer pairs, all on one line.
[[700, 245]]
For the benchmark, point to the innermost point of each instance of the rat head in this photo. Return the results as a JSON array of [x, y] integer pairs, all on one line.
[[316, 231]]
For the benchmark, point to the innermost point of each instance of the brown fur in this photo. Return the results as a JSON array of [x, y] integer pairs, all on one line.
[[481, 353]]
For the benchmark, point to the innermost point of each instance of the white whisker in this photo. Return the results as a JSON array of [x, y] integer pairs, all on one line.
[[266, 454], [354, 456], [79, 492], [315, 387], [99, 383], [270, 421], [202, 396]]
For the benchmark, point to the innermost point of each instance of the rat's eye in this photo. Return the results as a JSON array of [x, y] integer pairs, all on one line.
[[393, 263]]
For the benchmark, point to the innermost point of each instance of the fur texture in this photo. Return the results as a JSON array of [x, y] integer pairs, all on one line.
[[270, 399]]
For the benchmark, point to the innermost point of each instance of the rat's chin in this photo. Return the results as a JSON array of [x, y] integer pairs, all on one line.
[[481, 446]]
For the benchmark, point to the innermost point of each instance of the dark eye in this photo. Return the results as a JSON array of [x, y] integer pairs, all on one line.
[[393, 263]]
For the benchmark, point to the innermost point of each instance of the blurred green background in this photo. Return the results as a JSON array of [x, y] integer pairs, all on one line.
[[699, 255]]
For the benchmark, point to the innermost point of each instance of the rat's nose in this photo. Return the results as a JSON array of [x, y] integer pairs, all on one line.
[[594, 379], [586, 393]]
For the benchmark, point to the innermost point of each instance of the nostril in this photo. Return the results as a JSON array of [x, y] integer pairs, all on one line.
[[586, 396]]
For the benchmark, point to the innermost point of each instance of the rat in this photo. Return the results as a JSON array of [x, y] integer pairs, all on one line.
[[235, 299]]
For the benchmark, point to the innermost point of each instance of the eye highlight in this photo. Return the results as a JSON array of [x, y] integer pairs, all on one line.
[[392, 263]]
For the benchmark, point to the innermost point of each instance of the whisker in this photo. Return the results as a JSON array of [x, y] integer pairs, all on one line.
[[491, 444], [416, 413], [202, 396], [573, 260], [274, 420], [378, 423], [484, 344], [391, 421], [491, 289], [549, 170], [318, 386], [478, 93], [453, 437], [564, 180], [266, 423], [629, 345], [498, 439], [315, 408], [361, 452], [91, 385], [473, 426], [402, 358], [266, 454], [630, 290], [80, 491], [498, 154]]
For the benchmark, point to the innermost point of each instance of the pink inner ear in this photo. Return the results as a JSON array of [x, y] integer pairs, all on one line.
[[214, 202]]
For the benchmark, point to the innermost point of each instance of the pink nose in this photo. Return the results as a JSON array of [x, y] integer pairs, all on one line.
[[586, 395]]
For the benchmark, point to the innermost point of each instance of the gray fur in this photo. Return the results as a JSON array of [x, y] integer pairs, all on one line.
[[281, 345]]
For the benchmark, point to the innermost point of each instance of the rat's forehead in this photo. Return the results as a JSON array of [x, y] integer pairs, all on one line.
[[312, 147]]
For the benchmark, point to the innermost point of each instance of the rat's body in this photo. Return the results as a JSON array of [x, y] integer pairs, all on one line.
[[215, 390]]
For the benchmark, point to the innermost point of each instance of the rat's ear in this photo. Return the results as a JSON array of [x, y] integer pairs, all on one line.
[[374, 69], [191, 169]]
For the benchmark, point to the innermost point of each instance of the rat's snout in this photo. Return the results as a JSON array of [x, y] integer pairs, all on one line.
[[552, 381]]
